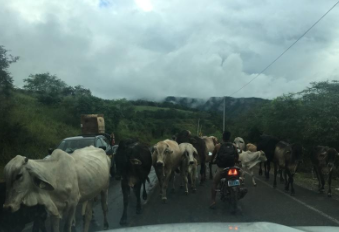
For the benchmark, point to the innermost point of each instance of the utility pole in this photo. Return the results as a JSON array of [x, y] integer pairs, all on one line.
[[223, 125], [198, 127]]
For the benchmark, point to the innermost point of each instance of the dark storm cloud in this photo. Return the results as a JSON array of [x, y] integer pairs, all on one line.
[[152, 49]]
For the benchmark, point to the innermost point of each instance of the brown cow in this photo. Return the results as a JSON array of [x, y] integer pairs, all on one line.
[[210, 142], [323, 159]]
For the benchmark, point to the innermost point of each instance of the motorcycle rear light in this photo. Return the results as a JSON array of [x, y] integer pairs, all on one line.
[[232, 172]]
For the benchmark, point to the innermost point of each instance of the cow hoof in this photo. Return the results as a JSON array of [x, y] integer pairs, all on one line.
[[181, 186], [274, 186], [106, 226], [260, 172], [164, 200], [329, 194], [123, 222], [186, 193], [255, 185], [194, 190]]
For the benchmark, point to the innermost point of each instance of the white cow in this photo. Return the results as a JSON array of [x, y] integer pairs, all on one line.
[[52, 183], [240, 143], [249, 159], [166, 157], [59, 183], [93, 169], [188, 165]]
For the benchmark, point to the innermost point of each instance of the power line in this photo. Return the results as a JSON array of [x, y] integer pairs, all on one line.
[[285, 50]]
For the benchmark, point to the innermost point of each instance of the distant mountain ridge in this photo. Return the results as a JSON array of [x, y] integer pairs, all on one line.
[[235, 106]]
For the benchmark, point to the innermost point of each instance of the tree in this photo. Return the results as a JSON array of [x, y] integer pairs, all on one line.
[[6, 81], [44, 83]]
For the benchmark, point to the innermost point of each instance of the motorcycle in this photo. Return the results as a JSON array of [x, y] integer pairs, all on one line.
[[230, 187]]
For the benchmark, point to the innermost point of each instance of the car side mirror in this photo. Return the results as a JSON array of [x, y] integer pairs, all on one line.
[[103, 148], [50, 151]]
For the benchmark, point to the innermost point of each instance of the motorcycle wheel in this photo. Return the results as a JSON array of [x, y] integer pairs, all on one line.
[[234, 192]]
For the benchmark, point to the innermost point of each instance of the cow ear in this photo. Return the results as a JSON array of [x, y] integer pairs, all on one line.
[[42, 177], [135, 161]]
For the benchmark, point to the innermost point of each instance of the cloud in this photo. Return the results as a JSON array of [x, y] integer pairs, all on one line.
[[153, 49]]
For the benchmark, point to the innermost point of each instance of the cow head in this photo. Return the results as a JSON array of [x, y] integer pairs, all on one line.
[[160, 151], [239, 143], [123, 157], [189, 155], [183, 136], [262, 156], [251, 147], [24, 178], [214, 139]]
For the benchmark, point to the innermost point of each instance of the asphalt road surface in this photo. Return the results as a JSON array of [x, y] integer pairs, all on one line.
[[261, 204]]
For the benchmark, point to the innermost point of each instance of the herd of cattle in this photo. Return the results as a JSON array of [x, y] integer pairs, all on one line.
[[62, 182]]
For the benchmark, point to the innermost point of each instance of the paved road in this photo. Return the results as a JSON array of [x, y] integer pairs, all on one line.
[[262, 203]]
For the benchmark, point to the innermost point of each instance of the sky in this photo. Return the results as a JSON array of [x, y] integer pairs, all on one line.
[[151, 49]]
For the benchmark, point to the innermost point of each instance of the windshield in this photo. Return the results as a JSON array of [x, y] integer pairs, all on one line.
[[73, 144], [198, 111]]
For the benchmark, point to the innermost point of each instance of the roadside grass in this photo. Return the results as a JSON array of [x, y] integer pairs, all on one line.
[[310, 182]]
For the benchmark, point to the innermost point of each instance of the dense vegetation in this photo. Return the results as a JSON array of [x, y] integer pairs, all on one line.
[[47, 110]]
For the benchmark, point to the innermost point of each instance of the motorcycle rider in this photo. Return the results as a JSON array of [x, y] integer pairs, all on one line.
[[226, 156]]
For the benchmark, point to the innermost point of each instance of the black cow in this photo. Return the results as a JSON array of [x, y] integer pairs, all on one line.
[[15, 222], [267, 144], [133, 163], [199, 144], [287, 157], [323, 159]]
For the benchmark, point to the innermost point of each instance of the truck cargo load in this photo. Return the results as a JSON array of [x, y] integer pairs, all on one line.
[[92, 124]]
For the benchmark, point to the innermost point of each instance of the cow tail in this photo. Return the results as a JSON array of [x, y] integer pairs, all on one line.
[[144, 193]]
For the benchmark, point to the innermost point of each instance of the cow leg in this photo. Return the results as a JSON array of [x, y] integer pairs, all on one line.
[[104, 206], [292, 185], [69, 219], [164, 186], [260, 169], [267, 172], [275, 175], [210, 167], [144, 193], [172, 180], [137, 189], [252, 175], [281, 176], [160, 179], [322, 189], [287, 184], [318, 177], [88, 216], [193, 173], [124, 187], [185, 180], [203, 172], [55, 224], [329, 194]]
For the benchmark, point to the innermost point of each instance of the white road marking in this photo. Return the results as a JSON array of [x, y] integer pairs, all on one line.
[[303, 203]]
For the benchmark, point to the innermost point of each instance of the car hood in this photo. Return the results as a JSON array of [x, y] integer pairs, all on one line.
[[222, 227]]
